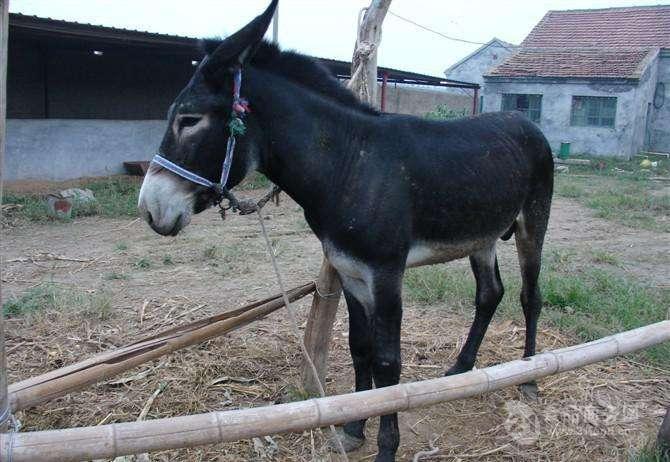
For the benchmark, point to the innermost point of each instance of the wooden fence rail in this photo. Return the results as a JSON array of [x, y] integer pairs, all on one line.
[[107, 441], [59, 382]]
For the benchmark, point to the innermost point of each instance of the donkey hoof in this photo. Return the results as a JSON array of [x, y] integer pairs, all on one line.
[[349, 443], [529, 390], [457, 369]]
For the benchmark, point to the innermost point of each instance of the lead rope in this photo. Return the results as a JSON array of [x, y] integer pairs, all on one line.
[[296, 330]]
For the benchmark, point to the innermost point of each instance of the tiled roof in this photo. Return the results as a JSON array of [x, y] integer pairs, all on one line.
[[571, 62], [604, 43], [644, 27]]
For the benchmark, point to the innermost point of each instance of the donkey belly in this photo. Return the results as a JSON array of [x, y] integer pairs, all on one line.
[[431, 252]]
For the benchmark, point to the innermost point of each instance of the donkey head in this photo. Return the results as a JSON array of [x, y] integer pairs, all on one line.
[[197, 134]]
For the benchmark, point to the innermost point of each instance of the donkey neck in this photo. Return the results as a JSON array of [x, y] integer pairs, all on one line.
[[306, 137]]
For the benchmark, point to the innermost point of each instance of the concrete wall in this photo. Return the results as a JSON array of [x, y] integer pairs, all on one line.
[[644, 107], [61, 149], [622, 140], [474, 68], [660, 122], [419, 100]]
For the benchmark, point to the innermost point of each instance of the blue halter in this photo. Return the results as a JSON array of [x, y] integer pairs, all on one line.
[[239, 109]]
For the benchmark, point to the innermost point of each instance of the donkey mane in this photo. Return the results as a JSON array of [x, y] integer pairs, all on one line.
[[301, 69]]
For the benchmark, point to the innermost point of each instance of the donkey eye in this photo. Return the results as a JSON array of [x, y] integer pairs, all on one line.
[[188, 121]]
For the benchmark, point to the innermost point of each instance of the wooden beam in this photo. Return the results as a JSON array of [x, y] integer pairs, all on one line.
[[62, 381], [4, 33], [319, 329], [108, 441]]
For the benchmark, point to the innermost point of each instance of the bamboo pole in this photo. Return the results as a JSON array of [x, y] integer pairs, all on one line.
[[4, 33], [107, 441], [59, 382]]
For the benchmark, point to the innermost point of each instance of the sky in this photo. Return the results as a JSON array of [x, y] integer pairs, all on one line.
[[327, 28]]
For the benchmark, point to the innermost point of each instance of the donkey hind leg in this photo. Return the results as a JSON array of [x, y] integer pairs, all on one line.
[[529, 235], [490, 291]]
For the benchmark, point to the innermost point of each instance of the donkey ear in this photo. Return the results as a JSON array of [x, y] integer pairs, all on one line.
[[237, 49]]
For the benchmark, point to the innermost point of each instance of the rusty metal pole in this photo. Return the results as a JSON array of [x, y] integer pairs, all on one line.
[[385, 79], [4, 32]]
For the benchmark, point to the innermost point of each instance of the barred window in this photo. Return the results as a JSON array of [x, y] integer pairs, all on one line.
[[593, 111], [530, 105]]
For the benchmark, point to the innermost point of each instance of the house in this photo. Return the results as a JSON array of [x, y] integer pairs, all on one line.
[[473, 67], [82, 98], [593, 78]]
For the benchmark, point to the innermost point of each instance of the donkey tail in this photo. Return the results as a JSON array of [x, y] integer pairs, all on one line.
[[509, 232]]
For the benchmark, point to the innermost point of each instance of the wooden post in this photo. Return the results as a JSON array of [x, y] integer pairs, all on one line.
[[363, 82], [319, 329], [4, 32]]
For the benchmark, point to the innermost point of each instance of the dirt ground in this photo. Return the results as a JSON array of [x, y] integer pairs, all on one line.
[[594, 414]]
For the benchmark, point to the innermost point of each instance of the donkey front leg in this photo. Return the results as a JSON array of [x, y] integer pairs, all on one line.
[[360, 346], [386, 363]]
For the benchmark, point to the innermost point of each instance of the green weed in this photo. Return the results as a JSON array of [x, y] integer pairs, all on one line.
[[167, 260], [115, 197], [116, 276], [121, 246], [143, 263], [48, 297]]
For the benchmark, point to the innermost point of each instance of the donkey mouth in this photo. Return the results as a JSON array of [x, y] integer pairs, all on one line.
[[170, 229]]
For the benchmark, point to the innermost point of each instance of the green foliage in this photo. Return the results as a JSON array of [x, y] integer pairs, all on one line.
[[121, 246], [443, 112], [589, 303], [619, 191], [115, 276], [437, 283], [115, 197], [167, 260], [650, 453], [255, 180], [596, 303], [143, 263], [49, 297]]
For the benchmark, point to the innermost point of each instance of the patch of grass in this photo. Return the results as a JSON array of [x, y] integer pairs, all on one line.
[[629, 198], [433, 284], [602, 256], [115, 197], [142, 263], [49, 297], [115, 276], [167, 260], [255, 180], [210, 252], [121, 246], [590, 303], [649, 453], [596, 303]]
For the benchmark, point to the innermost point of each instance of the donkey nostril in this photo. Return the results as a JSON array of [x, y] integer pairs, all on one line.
[[150, 219]]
